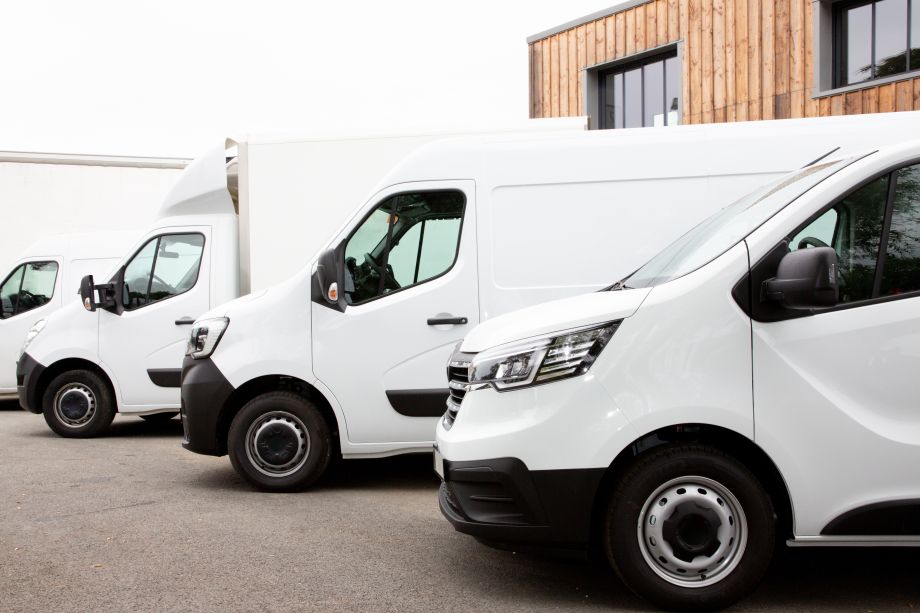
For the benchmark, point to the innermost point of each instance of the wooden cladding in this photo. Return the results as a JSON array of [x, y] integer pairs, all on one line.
[[741, 60]]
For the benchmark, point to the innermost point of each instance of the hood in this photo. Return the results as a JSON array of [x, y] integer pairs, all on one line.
[[554, 316], [225, 309]]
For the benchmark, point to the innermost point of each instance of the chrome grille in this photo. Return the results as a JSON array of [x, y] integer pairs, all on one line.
[[458, 379]]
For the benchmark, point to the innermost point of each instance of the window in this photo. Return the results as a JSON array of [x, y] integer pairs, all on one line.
[[874, 40], [876, 234], [164, 267], [644, 93], [28, 287], [409, 239]]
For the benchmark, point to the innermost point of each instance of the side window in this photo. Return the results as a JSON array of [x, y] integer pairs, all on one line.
[[854, 229], [37, 285], [30, 286], [9, 292], [901, 271], [408, 239], [164, 267]]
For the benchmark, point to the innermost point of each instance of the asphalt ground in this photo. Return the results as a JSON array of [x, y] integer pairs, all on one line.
[[133, 522]]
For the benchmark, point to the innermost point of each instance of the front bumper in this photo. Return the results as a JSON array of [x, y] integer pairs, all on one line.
[[28, 374], [502, 501], [205, 392]]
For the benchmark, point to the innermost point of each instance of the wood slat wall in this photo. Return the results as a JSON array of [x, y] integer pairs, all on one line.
[[742, 60]]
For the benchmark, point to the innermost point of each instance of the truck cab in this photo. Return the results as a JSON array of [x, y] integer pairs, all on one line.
[[119, 348]]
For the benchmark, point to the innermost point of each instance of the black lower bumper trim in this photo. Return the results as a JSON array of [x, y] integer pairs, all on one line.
[[205, 392], [501, 500], [28, 374]]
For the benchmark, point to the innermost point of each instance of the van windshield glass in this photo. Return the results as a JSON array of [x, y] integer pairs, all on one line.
[[728, 227]]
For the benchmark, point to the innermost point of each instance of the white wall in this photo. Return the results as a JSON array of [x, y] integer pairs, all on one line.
[[40, 200]]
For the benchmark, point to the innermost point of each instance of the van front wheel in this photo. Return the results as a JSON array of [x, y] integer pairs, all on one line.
[[78, 404], [280, 442], [689, 527]]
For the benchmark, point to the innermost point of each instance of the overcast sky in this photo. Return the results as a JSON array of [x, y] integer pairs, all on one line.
[[170, 77]]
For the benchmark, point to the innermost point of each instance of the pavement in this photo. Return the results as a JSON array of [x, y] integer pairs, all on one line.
[[133, 522]]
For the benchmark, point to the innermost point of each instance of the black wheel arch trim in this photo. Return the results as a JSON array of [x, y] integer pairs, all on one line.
[[165, 377], [419, 403], [889, 518]]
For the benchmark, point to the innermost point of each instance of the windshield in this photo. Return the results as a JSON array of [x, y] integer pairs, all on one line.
[[728, 227]]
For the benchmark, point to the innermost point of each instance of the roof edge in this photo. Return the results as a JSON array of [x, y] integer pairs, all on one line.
[[74, 159], [616, 8]]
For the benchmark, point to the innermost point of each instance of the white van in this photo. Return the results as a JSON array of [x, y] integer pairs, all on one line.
[[347, 356], [756, 380], [43, 278]]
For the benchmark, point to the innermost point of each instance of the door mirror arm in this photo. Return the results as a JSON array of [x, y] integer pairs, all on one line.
[[103, 295]]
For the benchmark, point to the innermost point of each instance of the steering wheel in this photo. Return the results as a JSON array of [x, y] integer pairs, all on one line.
[[810, 241], [389, 279], [374, 264], [162, 282]]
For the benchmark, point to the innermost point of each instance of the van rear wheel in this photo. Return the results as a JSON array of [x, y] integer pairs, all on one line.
[[689, 527], [78, 404], [280, 442]]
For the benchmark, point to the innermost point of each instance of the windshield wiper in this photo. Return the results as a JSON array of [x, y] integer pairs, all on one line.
[[621, 284]]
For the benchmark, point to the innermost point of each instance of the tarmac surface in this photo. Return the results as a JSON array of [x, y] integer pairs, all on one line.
[[133, 522]]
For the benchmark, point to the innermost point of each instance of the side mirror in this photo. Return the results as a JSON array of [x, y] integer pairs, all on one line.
[[805, 279], [328, 283], [87, 293]]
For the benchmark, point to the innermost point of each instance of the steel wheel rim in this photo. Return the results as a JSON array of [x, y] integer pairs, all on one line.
[[74, 405], [277, 444], [676, 502]]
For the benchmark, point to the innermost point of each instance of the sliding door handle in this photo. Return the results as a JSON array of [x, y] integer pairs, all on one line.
[[185, 321], [449, 321]]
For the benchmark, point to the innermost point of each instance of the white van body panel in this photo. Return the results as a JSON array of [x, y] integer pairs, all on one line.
[[76, 255]]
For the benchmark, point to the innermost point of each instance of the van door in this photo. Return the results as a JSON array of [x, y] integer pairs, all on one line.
[[165, 288], [837, 393], [29, 292], [411, 291]]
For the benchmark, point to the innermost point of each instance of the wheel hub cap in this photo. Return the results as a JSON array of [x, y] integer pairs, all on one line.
[[277, 443], [75, 405], [692, 531]]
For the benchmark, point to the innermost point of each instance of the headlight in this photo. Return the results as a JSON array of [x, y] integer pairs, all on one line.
[[542, 359], [37, 327], [205, 336]]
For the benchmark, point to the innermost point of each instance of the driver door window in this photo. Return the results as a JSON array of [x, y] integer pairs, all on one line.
[[164, 267], [408, 239], [30, 286]]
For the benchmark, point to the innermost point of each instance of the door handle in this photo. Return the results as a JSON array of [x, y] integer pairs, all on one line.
[[453, 321], [185, 321]]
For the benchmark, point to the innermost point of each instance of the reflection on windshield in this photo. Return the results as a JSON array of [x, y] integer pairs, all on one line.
[[728, 227]]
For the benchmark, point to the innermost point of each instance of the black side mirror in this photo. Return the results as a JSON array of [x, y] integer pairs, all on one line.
[[87, 293], [805, 279], [103, 295], [328, 281]]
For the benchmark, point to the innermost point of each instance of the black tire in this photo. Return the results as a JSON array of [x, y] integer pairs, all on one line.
[[159, 418], [293, 450], [78, 404], [631, 546]]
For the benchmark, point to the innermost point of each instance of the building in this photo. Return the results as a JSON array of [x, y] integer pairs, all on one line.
[[659, 62]]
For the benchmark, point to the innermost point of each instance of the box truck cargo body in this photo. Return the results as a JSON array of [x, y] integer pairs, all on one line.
[[348, 355]]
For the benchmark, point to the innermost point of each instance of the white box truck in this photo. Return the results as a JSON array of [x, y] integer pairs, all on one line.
[[239, 217], [347, 356]]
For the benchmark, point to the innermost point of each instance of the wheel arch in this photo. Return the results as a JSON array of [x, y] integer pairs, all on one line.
[[273, 383], [66, 364], [724, 439]]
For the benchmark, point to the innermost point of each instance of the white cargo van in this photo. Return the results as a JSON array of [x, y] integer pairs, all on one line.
[[755, 380], [347, 357], [236, 218], [45, 276]]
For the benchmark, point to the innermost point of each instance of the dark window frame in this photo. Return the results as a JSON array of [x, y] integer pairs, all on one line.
[[153, 266], [631, 64], [763, 313], [16, 310], [344, 242], [839, 39]]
